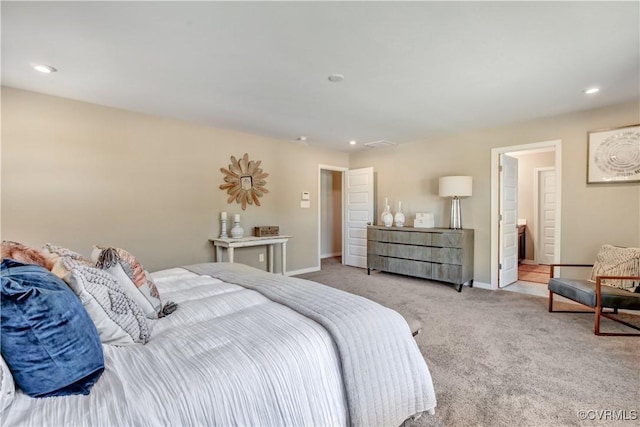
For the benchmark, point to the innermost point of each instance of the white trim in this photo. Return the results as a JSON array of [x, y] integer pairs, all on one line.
[[333, 255], [320, 169], [495, 157], [528, 262], [302, 271], [482, 285]]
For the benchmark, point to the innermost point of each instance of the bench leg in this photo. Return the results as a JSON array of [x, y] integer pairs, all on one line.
[[550, 301]]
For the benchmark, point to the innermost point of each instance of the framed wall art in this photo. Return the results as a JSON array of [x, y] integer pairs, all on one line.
[[614, 155]]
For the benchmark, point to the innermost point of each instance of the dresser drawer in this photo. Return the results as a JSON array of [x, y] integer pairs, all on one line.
[[403, 237], [447, 273], [447, 240], [447, 255], [377, 262], [409, 267]]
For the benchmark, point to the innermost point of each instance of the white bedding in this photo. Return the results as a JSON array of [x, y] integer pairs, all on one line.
[[227, 356], [234, 356]]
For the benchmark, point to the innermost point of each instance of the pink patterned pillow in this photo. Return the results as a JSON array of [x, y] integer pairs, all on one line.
[[25, 254], [131, 276]]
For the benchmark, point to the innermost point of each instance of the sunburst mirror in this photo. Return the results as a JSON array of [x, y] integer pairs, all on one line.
[[244, 181]]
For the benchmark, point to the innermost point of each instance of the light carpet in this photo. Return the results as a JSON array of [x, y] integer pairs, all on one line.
[[499, 358]]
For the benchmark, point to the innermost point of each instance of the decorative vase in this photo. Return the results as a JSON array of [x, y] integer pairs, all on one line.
[[399, 217], [387, 217], [237, 231]]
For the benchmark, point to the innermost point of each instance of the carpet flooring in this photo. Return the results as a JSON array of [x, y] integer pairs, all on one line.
[[499, 358], [534, 273]]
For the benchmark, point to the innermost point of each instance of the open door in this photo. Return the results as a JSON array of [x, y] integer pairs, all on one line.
[[508, 228], [359, 203]]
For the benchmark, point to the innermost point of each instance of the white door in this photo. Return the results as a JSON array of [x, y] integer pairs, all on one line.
[[547, 216], [359, 200], [508, 228]]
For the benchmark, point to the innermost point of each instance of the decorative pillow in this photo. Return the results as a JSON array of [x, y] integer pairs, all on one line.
[[56, 253], [7, 386], [118, 261], [25, 254], [617, 261], [117, 317], [48, 340]]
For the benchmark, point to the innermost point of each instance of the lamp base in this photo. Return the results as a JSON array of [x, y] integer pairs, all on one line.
[[456, 215]]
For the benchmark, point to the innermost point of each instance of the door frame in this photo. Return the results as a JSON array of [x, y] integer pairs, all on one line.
[[495, 208], [536, 212], [342, 171]]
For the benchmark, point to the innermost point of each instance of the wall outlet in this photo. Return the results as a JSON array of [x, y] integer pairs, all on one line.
[[261, 258]]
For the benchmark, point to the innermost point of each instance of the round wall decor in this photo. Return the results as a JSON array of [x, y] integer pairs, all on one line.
[[244, 181]]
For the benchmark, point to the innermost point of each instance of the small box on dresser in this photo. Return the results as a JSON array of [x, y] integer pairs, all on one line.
[[438, 254]]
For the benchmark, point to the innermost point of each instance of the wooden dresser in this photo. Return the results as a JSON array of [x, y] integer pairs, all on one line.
[[430, 253]]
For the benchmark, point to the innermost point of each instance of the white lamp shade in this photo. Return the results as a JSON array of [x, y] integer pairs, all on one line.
[[451, 186]]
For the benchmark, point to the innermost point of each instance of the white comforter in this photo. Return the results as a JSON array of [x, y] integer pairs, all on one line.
[[231, 356]]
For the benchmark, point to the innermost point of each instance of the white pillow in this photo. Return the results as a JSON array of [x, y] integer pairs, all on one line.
[[7, 386], [118, 318]]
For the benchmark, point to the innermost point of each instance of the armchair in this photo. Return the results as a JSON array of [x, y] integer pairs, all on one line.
[[596, 295]]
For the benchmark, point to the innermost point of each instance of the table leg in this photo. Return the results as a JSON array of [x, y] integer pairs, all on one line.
[[230, 254], [218, 254], [284, 258], [270, 249]]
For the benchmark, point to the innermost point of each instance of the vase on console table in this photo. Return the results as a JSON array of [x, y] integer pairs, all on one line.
[[399, 217], [236, 231]]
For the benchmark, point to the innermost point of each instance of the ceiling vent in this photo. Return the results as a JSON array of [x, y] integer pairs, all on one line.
[[379, 144]]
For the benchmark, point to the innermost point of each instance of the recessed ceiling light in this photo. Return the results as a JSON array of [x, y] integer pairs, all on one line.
[[352, 142], [44, 68], [592, 90], [302, 138], [335, 78]]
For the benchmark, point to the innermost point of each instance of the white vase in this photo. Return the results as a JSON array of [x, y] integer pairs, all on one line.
[[399, 216], [237, 231], [387, 217]]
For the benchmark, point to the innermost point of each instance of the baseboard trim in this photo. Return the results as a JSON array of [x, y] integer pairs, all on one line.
[[333, 255], [302, 271], [528, 262], [483, 285]]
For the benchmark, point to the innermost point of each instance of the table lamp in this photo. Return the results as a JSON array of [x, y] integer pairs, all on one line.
[[456, 187]]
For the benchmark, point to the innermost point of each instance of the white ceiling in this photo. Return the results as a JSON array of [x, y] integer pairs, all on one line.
[[412, 69]]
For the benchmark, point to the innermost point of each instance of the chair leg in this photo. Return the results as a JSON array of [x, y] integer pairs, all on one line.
[[550, 301]]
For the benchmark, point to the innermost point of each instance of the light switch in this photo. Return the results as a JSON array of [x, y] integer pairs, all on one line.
[[305, 204], [305, 195]]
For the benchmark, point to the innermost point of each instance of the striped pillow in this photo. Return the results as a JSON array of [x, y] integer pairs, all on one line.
[[617, 261]]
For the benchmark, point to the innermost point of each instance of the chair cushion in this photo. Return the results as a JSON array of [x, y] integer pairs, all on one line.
[[584, 292]]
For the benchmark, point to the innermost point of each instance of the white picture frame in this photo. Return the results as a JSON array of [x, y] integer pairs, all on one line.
[[614, 155]]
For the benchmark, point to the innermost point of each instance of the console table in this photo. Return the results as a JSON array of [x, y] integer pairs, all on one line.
[[231, 243], [439, 254]]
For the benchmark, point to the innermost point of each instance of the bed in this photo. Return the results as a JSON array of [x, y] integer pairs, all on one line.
[[247, 347]]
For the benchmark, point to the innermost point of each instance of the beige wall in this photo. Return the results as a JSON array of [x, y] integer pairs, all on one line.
[[527, 164], [77, 174], [591, 214]]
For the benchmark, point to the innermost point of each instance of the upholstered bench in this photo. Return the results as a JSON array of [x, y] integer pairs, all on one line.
[[595, 295]]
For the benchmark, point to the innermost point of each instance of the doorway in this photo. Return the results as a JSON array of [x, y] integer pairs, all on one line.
[[330, 212], [530, 159]]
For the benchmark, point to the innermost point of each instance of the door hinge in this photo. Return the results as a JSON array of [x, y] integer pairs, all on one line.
[[500, 168], [499, 266], [500, 217]]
